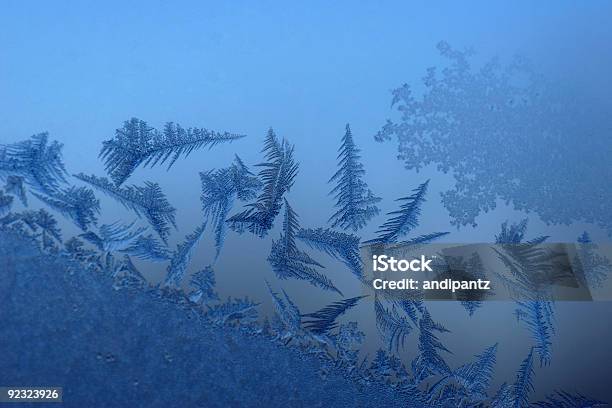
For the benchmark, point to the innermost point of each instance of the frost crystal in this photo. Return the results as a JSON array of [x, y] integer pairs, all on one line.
[[138, 144], [278, 175], [148, 201], [355, 202], [506, 132]]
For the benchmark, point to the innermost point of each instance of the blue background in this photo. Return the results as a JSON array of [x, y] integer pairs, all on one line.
[[79, 69]]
